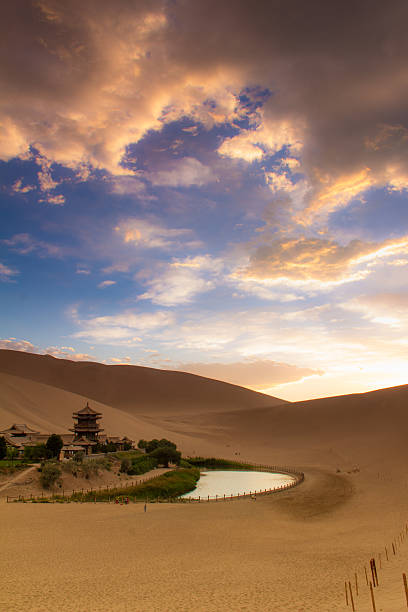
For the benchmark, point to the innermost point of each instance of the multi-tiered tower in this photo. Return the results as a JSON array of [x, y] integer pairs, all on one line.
[[86, 425]]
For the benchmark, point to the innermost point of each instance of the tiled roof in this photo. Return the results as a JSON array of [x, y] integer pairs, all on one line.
[[87, 410], [19, 428]]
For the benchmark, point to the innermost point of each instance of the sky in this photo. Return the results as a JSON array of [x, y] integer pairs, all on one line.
[[213, 187]]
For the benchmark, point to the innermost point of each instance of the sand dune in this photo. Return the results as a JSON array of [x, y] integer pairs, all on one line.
[[133, 388], [289, 552]]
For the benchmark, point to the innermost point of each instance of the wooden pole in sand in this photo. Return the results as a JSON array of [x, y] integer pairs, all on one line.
[[355, 577], [351, 597], [386, 553], [404, 577], [345, 588], [372, 597]]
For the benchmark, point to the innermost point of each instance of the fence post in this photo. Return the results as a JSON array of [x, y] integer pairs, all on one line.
[[351, 597], [372, 597], [404, 577]]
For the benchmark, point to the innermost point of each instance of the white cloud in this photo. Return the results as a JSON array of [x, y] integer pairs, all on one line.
[[25, 244], [13, 344], [146, 234], [124, 328], [266, 139], [176, 286], [183, 173], [182, 280], [7, 273], [106, 283]]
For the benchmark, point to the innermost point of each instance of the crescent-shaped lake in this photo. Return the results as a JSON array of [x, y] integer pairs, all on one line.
[[217, 483]]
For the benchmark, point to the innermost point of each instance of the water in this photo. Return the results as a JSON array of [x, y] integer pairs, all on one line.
[[229, 482]]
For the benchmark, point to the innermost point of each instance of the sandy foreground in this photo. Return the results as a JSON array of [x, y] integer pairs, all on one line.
[[287, 552]]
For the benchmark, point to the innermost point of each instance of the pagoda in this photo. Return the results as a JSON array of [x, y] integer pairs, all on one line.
[[86, 425]]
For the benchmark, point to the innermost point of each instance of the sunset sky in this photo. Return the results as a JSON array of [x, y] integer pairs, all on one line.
[[218, 187]]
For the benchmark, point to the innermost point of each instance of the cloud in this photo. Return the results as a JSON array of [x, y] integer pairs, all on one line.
[[17, 187], [176, 286], [121, 360], [129, 185], [119, 267], [67, 352], [323, 260], [57, 200], [107, 75], [13, 344], [259, 374], [106, 283], [6, 273], [83, 270], [252, 145], [124, 328], [25, 244], [182, 280], [182, 173], [388, 308], [63, 352], [145, 234]]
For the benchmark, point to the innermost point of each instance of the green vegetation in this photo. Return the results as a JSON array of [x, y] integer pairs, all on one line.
[[212, 463], [54, 445], [107, 447], [165, 455], [50, 474], [80, 467], [3, 447], [167, 486], [12, 453], [157, 452], [138, 465], [151, 445], [36, 453]]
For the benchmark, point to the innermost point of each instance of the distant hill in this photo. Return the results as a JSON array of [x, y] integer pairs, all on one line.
[[134, 389]]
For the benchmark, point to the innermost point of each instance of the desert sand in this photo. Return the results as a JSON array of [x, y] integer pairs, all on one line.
[[287, 552]]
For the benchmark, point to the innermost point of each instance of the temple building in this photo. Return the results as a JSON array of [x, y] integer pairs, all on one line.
[[86, 435], [87, 425]]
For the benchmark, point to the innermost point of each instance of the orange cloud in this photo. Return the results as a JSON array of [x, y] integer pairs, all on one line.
[[326, 261]]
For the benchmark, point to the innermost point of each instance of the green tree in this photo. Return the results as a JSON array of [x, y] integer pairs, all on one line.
[[151, 445], [54, 445], [50, 474], [142, 444], [36, 453], [166, 455], [11, 453], [3, 447]]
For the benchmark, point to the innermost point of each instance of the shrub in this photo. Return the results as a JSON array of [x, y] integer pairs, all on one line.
[[79, 456], [125, 465], [50, 474], [141, 465]]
